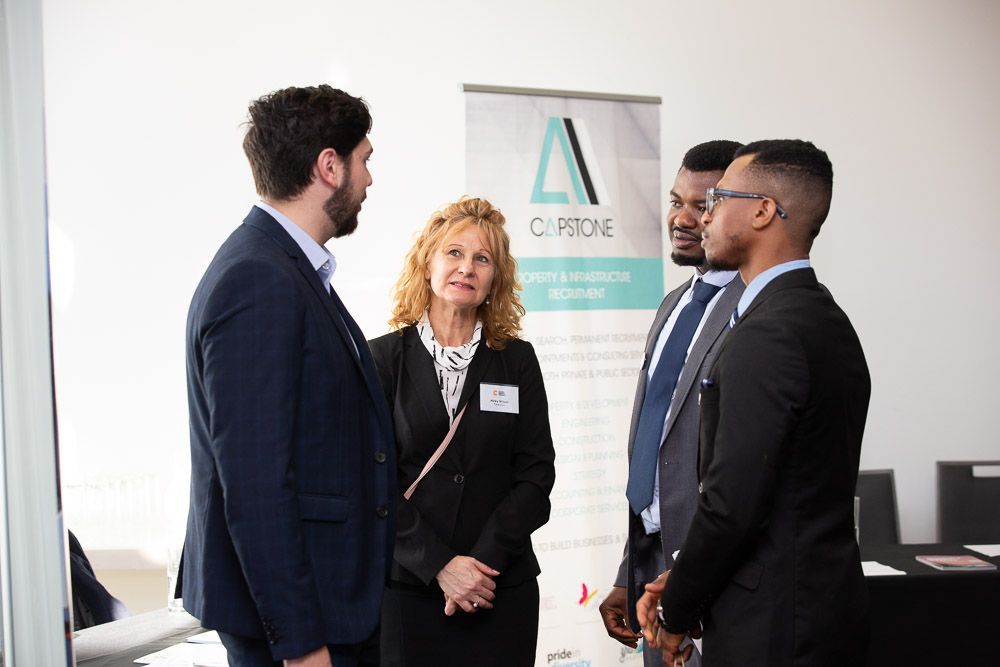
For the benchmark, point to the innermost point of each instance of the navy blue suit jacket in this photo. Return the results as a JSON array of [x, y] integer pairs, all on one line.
[[290, 531]]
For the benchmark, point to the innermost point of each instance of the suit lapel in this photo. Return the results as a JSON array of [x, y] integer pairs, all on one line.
[[792, 279], [481, 362], [355, 339], [667, 306], [424, 384], [263, 221], [343, 325], [420, 371], [715, 325]]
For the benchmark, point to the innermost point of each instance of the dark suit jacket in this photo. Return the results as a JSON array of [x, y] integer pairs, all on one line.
[[770, 563], [490, 490], [678, 457], [290, 529]]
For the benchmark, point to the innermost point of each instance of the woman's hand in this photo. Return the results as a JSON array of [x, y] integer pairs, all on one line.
[[467, 584]]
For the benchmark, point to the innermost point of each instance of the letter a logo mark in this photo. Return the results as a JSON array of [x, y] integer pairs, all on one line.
[[581, 164]]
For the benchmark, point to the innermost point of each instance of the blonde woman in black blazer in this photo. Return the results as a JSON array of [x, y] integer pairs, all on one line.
[[463, 586]]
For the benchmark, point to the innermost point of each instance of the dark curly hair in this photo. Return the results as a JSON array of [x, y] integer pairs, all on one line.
[[710, 156], [288, 128]]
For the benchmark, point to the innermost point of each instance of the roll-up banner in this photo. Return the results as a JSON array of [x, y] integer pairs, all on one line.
[[577, 176]]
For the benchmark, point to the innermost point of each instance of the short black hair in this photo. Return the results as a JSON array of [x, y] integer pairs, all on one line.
[[711, 156], [802, 167], [289, 128], [792, 156]]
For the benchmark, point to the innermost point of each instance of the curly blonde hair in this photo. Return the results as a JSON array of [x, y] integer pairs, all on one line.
[[502, 311]]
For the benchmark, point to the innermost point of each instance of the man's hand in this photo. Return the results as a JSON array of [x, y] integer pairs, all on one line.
[[467, 585], [318, 658], [656, 636], [670, 644], [614, 613], [645, 609]]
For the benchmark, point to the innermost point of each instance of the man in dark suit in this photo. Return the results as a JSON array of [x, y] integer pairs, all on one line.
[[770, 567], [290, 530], [667, 477]]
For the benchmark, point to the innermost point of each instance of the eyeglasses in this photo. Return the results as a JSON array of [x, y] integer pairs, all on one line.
[[714, 197]]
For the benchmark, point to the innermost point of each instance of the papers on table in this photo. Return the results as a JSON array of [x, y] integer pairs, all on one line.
[[991, 550], [204, 650], [873, 568]]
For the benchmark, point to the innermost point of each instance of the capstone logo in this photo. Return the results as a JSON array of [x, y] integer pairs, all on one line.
[[584, 173]]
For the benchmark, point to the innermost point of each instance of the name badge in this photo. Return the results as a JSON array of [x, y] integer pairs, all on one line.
[[498, 398]]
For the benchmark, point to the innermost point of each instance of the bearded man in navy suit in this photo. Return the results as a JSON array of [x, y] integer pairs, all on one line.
[[289, 537]]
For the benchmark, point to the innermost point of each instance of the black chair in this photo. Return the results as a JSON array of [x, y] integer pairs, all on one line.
[[92, 603], [878, 519], [968, 502]]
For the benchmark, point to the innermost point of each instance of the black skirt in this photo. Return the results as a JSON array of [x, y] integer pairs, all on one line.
[[416, 633]]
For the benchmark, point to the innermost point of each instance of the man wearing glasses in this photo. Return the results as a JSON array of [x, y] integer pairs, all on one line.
[[690, 324], [770, 568]]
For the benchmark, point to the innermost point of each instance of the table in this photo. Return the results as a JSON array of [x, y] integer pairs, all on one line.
[[927, 617], [932, 617], [119, 643]]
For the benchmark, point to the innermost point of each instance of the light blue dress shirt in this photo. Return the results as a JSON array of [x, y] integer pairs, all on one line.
[[321, 259], [763, 278]]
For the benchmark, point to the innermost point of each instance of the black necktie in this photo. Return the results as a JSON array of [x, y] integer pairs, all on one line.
[[642, 469]]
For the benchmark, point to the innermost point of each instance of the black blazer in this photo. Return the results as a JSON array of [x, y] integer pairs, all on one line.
[[490, 490], [770, 563], [289, 534]]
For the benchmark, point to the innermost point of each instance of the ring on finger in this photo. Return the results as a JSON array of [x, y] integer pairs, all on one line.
[[476, 604]]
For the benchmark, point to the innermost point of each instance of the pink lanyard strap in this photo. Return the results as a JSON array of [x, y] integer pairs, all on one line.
[[436, 455]]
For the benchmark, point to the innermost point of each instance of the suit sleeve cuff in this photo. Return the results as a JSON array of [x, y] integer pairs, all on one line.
[[621, 580], [683, 604]]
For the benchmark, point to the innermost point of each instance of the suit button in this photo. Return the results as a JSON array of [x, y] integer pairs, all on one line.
[[382, 511], [458, 479], [379, 457], [701, 487]]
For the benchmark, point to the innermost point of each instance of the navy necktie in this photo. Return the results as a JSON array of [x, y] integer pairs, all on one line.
[[659, 391]]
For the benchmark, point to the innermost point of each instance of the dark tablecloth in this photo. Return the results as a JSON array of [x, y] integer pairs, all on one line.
[[931, 617]]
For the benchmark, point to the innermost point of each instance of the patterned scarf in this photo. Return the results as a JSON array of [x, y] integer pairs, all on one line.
[[450, 363]]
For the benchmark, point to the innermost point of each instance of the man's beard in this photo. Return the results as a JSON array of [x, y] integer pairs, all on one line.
[[686, 260], [722, 264], [342, 210]]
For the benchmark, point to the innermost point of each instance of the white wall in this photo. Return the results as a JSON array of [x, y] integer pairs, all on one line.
[[146, 178]]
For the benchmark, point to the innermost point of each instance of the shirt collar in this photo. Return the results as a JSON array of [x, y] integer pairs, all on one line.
[[714, 277], [321, 259], [763, 278]]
